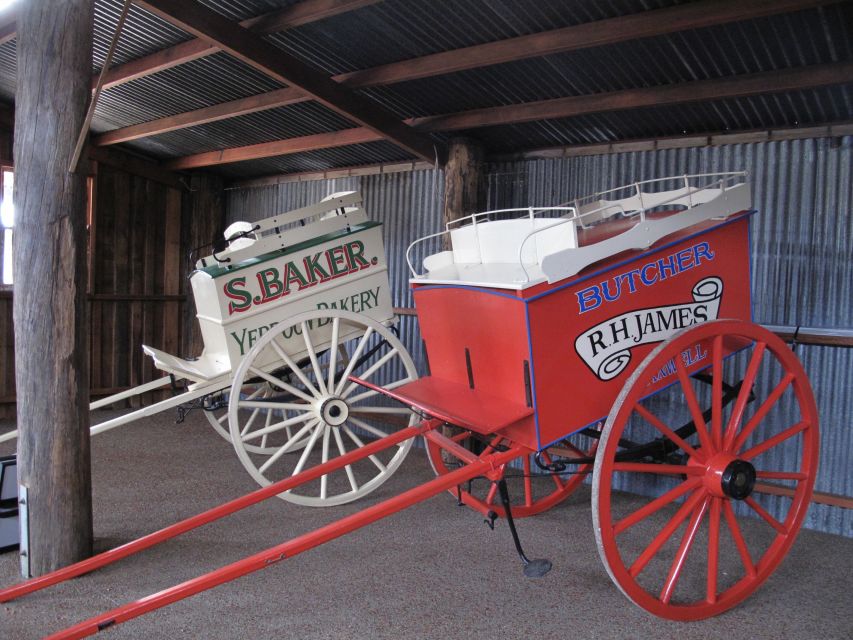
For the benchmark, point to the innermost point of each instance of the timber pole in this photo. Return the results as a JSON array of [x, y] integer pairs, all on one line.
[[51, 324], [463, 179]]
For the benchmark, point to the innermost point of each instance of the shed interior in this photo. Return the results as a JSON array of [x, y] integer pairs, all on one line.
[[214, 111]]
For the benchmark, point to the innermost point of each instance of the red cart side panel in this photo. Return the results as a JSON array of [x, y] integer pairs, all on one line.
[[492, 327], [588, 335]]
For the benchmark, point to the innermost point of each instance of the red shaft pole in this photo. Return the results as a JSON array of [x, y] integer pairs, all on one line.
[[287, 549], [108, 557]]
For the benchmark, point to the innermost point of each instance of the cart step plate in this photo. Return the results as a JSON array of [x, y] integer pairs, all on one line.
[[456, 404]]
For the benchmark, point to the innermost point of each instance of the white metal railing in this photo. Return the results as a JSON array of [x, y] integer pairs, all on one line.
[[476, 218], [636, 205]]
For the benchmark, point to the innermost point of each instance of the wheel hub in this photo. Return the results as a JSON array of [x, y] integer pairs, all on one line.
[[738, 479], [334, 412]]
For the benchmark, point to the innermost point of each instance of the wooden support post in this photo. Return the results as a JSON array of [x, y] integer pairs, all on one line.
[[463, 186], [463, 179], [51, 346]]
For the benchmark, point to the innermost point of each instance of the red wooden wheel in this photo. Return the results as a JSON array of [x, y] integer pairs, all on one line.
[[720, 508], [531, 491]]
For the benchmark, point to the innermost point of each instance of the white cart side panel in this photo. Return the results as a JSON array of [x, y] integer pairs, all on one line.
[[344, 270]]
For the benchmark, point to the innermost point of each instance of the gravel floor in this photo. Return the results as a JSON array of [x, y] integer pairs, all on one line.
[[433, 571]]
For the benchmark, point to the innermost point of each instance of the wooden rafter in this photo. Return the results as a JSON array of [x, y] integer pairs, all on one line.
[[261, 102], [703, 90], [646, 24], [242, 44], [610, 31], [356, 135], [293, 16]]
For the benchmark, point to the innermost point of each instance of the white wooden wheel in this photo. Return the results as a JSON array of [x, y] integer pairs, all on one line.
[[217, 416], [306, 362]]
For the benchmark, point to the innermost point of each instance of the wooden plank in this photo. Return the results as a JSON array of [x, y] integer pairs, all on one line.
[[252, 104], [700, 91], [299, 14], [257, 53], [172, 251], [358, 135]]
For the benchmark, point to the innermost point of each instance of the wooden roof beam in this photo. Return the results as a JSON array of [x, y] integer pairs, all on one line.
[[232, 109], [702, 90], [293, 16], [718, 89], [646, 24], [247, 47], [610, 31], [357, 135]]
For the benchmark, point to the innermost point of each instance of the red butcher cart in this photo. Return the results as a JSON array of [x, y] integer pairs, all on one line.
[[608, 341]]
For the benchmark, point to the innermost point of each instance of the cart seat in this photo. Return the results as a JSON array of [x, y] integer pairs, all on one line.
[[202, 369], [456, 404]]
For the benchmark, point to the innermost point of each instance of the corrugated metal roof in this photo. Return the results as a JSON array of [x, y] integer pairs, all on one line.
[[762, 45], [395, 30], [801, 108], [302, 119]]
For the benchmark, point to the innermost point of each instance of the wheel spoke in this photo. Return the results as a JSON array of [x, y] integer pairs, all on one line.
[[761, 511], [263, 404], [666, 533], [743, 395], [360, 444], [763, 410], [361, 424], [293, 366], [348, 468], [333, 353], [713, 551], [366, 375], [321, 426], [778, 439], [781, 475], [250, 421], [656, 422], [324, 479], [693, 405], [281, 384], [278, 426], [656, 505], [371, 392], [662, 469], [286, 447], [312, 355], [353, 360], [740, 543], [554, 476], [681, 555], [717, 392], [267, 423]]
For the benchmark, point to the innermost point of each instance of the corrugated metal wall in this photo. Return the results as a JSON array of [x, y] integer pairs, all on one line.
[[801, 247]]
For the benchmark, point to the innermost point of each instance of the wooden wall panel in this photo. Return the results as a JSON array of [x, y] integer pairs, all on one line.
[[136, 252], [142, 233]]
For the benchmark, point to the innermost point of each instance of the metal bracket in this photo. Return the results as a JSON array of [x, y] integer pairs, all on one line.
[[24, 524]]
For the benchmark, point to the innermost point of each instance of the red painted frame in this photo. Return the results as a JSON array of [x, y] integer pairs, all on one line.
[[503, 329]]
